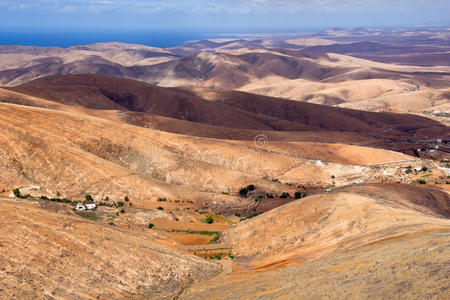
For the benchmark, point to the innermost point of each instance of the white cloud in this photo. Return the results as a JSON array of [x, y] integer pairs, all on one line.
[[199, 6]]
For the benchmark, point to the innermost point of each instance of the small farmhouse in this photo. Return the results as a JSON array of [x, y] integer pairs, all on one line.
[[80, 206], [90, 206]]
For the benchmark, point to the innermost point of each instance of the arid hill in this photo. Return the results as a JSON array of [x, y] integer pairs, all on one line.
[[222, 108], [49, 252], [363, 241]]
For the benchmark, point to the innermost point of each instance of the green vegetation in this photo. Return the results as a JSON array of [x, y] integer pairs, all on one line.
[[16, 192], [126, 198], [88, 198], [88, 215], [214, 239], [251, 187], [122, 210], [424, 169], [243, 192], [252, 215], [269, 196], [297, 195], [421, 181], [105, 204], [209, 219], [151, 225], [426, 175], [160, 208], [285, 195], [120, 204], [408, 171], [162, 199], [225, 193], [333, 177]]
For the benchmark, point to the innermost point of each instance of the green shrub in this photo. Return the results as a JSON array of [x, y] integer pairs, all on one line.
[[44, 198], [243, 192], [408, 171], [88, 198], [122, 210], [162, 199], [16, 192], [251, 187], [333, 177], [120, 204], [421, 181], [214, 239], [424, 169], [208, 219], [285, 195], [269, 196], [298, 195], [151, 225], [218, 257], [126, 198], [237, 214], [253, 215], [160, 208]]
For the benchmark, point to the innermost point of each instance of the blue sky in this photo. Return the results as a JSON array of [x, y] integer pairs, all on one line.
[[263, 15]]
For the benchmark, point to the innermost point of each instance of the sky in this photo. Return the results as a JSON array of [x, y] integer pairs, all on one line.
[[222, 15]]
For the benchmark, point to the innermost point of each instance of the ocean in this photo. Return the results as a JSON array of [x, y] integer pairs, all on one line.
[[67, 38]]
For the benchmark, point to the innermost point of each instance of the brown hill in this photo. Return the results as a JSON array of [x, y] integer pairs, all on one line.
[[227, 109], [347, 218], [49, 252]]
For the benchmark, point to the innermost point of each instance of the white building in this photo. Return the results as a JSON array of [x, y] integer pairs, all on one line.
[[91, 206], [80, 206]]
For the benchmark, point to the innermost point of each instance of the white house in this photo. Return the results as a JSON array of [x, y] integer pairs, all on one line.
[[91, 206], [80, 206]]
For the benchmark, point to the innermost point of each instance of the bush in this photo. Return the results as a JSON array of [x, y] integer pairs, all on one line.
[[88, 198], [126, 198], [120, 204], [44, 198], [285, 195], [122, 210], [151, 225], [333, 177], [208, 219], [298, 195], [251, 187], [160, 208], [214, 239], [408, 171], [253, 215], [421, 181], [237, 214], [269, 196], [162, 199], [243, 192], [16, 192], [424, 169]]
